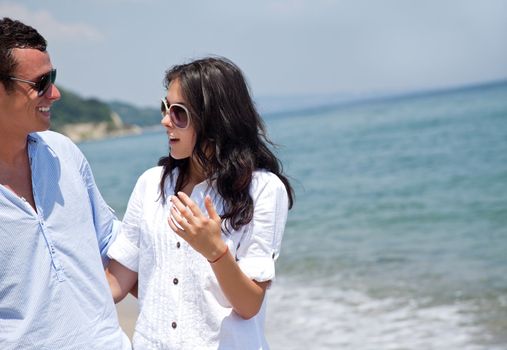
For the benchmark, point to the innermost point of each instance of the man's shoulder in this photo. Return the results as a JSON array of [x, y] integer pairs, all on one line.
[[54, 145], [55, 141], [52, 139]]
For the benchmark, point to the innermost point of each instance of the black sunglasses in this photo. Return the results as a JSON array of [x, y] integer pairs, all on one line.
[[43, 84]]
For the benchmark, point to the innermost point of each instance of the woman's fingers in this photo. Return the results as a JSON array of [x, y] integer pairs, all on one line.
[[177, 223], [184, 210], [212, 213], [187, 216], [203, 233], [186, 200]]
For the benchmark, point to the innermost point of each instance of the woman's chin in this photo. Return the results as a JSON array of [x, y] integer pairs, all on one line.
[[178, 156]]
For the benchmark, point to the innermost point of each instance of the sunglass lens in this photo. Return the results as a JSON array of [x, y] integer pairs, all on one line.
[[179, 116], [45, 82]]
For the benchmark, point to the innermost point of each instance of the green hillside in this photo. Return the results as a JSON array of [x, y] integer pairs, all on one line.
[[73, 109], [134, 115]]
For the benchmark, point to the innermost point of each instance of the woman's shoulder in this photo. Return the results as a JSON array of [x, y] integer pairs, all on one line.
[[150, 177], [152, 173], [153, 176], [262, 179], [263, 175]]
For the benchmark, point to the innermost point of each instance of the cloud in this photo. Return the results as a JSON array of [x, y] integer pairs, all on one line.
[[51, 28]]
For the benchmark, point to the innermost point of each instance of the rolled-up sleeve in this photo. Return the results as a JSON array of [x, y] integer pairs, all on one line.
[[260, 247], [125, 249]]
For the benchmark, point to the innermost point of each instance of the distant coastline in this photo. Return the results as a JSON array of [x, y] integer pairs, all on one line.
[[79, 132], [85, 119], [96, 131]]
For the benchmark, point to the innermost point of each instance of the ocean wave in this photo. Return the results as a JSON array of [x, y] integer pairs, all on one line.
[[320, 316]]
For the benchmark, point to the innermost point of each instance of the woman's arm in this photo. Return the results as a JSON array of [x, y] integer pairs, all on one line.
[[121, 280], [244, 294], [204, 235]]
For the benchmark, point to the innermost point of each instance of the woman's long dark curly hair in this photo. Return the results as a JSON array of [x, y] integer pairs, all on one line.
[[226, 122]]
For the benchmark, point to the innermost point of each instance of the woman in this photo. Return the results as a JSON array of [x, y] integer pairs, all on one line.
[[203, 229]]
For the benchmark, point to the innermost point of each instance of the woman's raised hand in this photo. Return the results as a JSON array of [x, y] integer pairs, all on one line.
[[202, 232]]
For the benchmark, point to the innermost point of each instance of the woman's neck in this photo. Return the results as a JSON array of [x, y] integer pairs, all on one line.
[[195, 176]]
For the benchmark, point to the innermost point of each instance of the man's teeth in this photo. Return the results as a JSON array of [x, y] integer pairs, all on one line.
[[44, 109]]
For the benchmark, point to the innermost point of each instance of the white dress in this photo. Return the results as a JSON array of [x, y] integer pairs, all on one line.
[[181, 304]]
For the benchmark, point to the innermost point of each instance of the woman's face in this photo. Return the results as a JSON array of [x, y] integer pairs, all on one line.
[[181, 141]]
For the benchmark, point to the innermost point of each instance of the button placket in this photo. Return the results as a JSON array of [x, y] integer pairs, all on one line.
[[175, 279], [177, 273], [52, 251]]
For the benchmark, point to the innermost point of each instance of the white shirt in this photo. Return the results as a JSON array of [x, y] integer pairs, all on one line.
[[181, 303]]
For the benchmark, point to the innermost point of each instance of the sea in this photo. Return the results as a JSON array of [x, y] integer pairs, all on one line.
[[398, 236]]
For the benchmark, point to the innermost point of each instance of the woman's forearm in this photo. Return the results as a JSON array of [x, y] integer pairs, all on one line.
[[121, 280], [244, 294]]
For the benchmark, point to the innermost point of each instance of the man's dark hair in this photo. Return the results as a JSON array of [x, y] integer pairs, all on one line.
[[15, 35]]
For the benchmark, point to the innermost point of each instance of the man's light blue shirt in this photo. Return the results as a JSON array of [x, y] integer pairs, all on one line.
[[53, 290]]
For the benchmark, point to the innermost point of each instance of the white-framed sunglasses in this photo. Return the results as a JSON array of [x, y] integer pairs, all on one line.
[[178, 113]]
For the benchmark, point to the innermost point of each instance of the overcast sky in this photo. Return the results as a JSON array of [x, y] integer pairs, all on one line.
[[119, 49]]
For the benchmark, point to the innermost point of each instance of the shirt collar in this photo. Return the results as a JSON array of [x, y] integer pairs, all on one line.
[[33, 138]]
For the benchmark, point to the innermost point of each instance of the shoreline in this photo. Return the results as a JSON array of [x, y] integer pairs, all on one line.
[[81, 132]]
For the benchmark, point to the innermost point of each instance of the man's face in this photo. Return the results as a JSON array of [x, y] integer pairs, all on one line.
[[22, 111]]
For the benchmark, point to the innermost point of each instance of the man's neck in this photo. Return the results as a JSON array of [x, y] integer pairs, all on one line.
[[15, 172], [13, 148]]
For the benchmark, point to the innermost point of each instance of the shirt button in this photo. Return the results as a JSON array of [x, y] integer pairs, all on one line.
[[178, 245], [174, 325], [175, 281]]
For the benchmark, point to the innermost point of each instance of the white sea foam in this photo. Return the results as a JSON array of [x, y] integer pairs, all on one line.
[[324, 317]]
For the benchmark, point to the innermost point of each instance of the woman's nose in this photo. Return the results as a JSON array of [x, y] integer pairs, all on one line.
[[166, 121]]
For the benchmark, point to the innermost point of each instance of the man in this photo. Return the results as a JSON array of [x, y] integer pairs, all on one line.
[[54, 225]]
